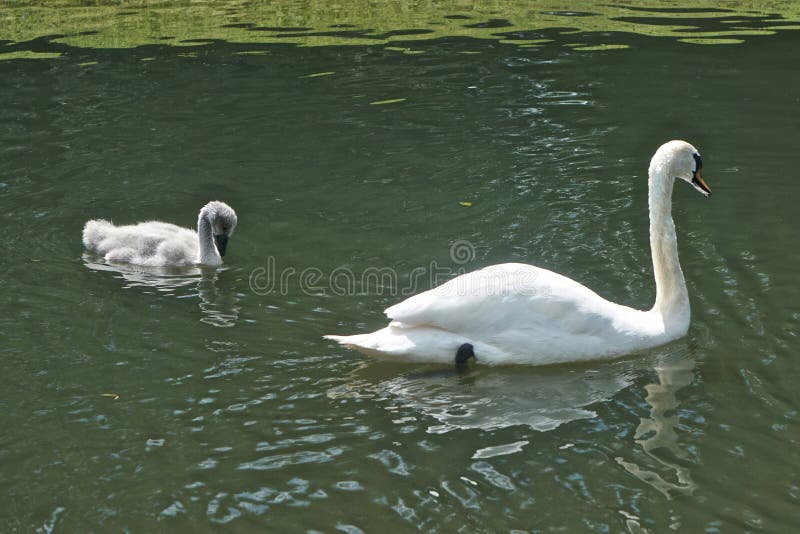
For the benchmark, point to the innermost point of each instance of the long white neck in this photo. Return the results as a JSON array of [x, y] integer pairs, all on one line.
[[672, 298], [209, 255]]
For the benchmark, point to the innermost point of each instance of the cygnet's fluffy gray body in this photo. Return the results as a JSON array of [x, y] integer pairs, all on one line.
[[155, 243]]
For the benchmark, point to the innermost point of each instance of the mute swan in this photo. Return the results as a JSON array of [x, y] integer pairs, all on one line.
[[517, 313], [156, 243]]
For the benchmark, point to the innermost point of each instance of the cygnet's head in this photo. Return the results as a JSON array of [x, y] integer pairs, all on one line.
[[223, 221], [684, 162]]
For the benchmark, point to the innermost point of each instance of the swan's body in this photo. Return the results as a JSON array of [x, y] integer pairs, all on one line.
[[154, 243], [516, 313]]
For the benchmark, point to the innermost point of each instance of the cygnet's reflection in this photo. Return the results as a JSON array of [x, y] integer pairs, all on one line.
[[218, 307]]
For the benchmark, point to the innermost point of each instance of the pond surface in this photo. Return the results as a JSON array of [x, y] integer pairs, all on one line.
[[361, 173]]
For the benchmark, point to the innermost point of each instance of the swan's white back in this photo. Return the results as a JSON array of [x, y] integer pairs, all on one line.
[[516, 313], [510, 313]]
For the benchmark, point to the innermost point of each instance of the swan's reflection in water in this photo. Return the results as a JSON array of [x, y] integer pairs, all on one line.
[[656, 434], [488, 399], [218, 307], [543, 399]]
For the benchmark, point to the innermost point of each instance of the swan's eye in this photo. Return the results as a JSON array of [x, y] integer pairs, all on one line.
[[698, 163]]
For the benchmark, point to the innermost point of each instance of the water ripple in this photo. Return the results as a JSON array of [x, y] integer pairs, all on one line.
[[279, 461]]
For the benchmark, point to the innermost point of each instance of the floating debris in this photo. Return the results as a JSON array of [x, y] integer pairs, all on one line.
[[252, 53], [596, 48], [382, 102], [407, 51]]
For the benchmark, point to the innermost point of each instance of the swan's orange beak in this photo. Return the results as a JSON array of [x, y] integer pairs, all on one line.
[[700, 184]]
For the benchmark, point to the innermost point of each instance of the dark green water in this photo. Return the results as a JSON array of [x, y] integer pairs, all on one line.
[[138, 400]]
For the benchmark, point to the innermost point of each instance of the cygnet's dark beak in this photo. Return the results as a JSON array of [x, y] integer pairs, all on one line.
[[700, 184], [221, 240]]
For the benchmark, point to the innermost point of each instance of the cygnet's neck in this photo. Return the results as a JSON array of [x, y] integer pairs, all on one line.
[[209, 255], [672, 298]]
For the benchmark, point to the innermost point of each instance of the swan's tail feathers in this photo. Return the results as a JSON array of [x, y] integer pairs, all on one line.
[[372, 344], [422, 344], [94, 232]]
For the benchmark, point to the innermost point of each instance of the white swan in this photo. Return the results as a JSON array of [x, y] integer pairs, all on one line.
[[516, 313], [156, 243]]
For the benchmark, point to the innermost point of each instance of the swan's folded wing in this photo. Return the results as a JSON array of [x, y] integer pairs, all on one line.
[[510, 297]]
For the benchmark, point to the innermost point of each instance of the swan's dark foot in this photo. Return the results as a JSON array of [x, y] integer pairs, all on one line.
[[464, 353]]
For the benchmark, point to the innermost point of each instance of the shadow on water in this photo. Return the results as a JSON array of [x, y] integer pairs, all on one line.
[[218, 307]]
